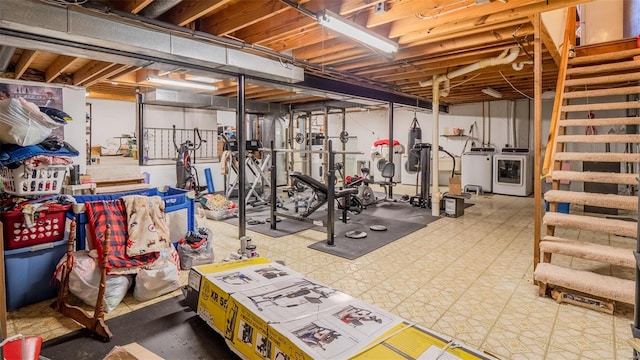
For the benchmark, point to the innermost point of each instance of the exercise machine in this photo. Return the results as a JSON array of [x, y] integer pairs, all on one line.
[[323, 193], [424, 152], [186, 173]]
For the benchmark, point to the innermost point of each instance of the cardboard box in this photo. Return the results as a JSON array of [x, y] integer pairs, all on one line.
[[133, 351], [455, 186], [266, 311]]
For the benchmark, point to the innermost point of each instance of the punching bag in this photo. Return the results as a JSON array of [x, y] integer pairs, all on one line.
[[415, 136]]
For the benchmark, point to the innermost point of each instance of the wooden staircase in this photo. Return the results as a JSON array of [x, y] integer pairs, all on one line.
[[597, 92]]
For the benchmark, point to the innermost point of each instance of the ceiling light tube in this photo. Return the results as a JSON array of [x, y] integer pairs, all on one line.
[[492, 92], [181, 83], [346, 27]]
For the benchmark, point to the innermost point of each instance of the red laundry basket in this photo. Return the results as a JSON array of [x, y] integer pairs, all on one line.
[[48, 226]]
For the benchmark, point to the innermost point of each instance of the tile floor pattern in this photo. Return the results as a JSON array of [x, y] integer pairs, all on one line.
[[468, 277]]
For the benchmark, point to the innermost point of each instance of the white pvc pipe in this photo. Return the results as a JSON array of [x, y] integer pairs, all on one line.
[[435, 145], [506, 57]]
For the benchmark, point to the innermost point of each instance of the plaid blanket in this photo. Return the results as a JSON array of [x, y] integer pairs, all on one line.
[[113, 213]]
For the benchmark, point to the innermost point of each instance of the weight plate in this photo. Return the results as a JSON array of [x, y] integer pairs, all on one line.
[[378, 228], [344, 136], [355, 234]]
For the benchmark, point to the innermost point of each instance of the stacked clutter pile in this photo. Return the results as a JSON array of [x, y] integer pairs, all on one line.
[[195, 249], [34, 162], [33, 166], [217, 207]]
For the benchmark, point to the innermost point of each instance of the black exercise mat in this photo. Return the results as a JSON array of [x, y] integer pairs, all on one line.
[[399, 210], [354, 248], [167, 328]]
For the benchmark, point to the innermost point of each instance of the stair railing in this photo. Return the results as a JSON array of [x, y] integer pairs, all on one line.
[[554, 128]]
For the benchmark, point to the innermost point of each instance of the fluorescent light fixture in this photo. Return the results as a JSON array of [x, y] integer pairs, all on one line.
[[346, 27], [202, 79], [492, 92], [181, 83]]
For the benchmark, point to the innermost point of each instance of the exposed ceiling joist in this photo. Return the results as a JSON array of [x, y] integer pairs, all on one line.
[[59, 65], [23, 63]]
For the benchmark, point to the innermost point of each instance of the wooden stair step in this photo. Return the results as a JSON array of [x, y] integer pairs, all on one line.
[[606, 57], [602, 157], [591, 223], [121, 188], [604, 286], [600, 121], [608, 138], [609, 67], [601, 92], [611, 201], [602, 106], [608, 79], [594, 176], [590, 251]]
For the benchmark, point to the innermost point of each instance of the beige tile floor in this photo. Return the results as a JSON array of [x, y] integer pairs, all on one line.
[[469, 278]]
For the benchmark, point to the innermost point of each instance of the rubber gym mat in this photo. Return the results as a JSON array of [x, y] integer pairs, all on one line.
[[354, 248], [168, 328]]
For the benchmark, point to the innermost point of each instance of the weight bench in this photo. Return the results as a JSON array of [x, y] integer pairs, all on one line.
[[322, 194]]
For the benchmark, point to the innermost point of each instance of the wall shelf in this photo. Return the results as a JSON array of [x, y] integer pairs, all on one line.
[[455, 136]]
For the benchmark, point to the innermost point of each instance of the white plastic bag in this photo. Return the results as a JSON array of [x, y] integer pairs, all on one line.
[[84, 281], [22, 123], [159, 279]]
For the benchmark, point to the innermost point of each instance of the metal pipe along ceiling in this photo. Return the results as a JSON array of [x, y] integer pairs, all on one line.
[[158, 7], [6, 52]]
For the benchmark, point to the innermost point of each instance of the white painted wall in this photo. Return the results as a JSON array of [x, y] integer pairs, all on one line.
[[555, 22], [109, 119], [368, 126], [602, 20]]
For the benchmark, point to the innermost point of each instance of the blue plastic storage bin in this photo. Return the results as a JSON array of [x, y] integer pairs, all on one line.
[[29, 273], [174, 199], [562, 207]]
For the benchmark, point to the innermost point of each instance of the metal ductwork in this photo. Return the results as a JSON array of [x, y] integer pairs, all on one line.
[[75, 26], [158, 7], [204, 101], [6, 53]]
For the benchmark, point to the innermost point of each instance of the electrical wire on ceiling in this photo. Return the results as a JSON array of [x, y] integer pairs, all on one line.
[[438, 13], [514, 88]]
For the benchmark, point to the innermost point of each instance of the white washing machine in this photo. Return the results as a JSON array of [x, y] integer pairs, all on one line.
[[407, 177], [513, 172], [477, 169]]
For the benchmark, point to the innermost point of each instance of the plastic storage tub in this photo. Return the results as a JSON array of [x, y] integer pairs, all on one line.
[[29, 273], [174, 200], [219, 214]]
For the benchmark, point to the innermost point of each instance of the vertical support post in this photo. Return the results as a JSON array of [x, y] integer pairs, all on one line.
[[140, 122], [307, 145], [3, 297], [242, 144], [537, 136], [274, 178], [391, 144], [635, 327], [331, 213], [344, 147], [435, 140], [325, 126]]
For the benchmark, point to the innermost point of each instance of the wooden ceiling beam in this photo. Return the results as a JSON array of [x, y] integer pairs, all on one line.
[[548, 41], [89, 71], [420, 38], [242, 14], [413, 9], [60, 64], [106, 74], [189, 11], [285, 24], [26, 58], [472, 16], [132, 6]]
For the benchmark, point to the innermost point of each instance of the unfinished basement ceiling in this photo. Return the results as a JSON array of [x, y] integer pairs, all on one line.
[[434, 37]]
